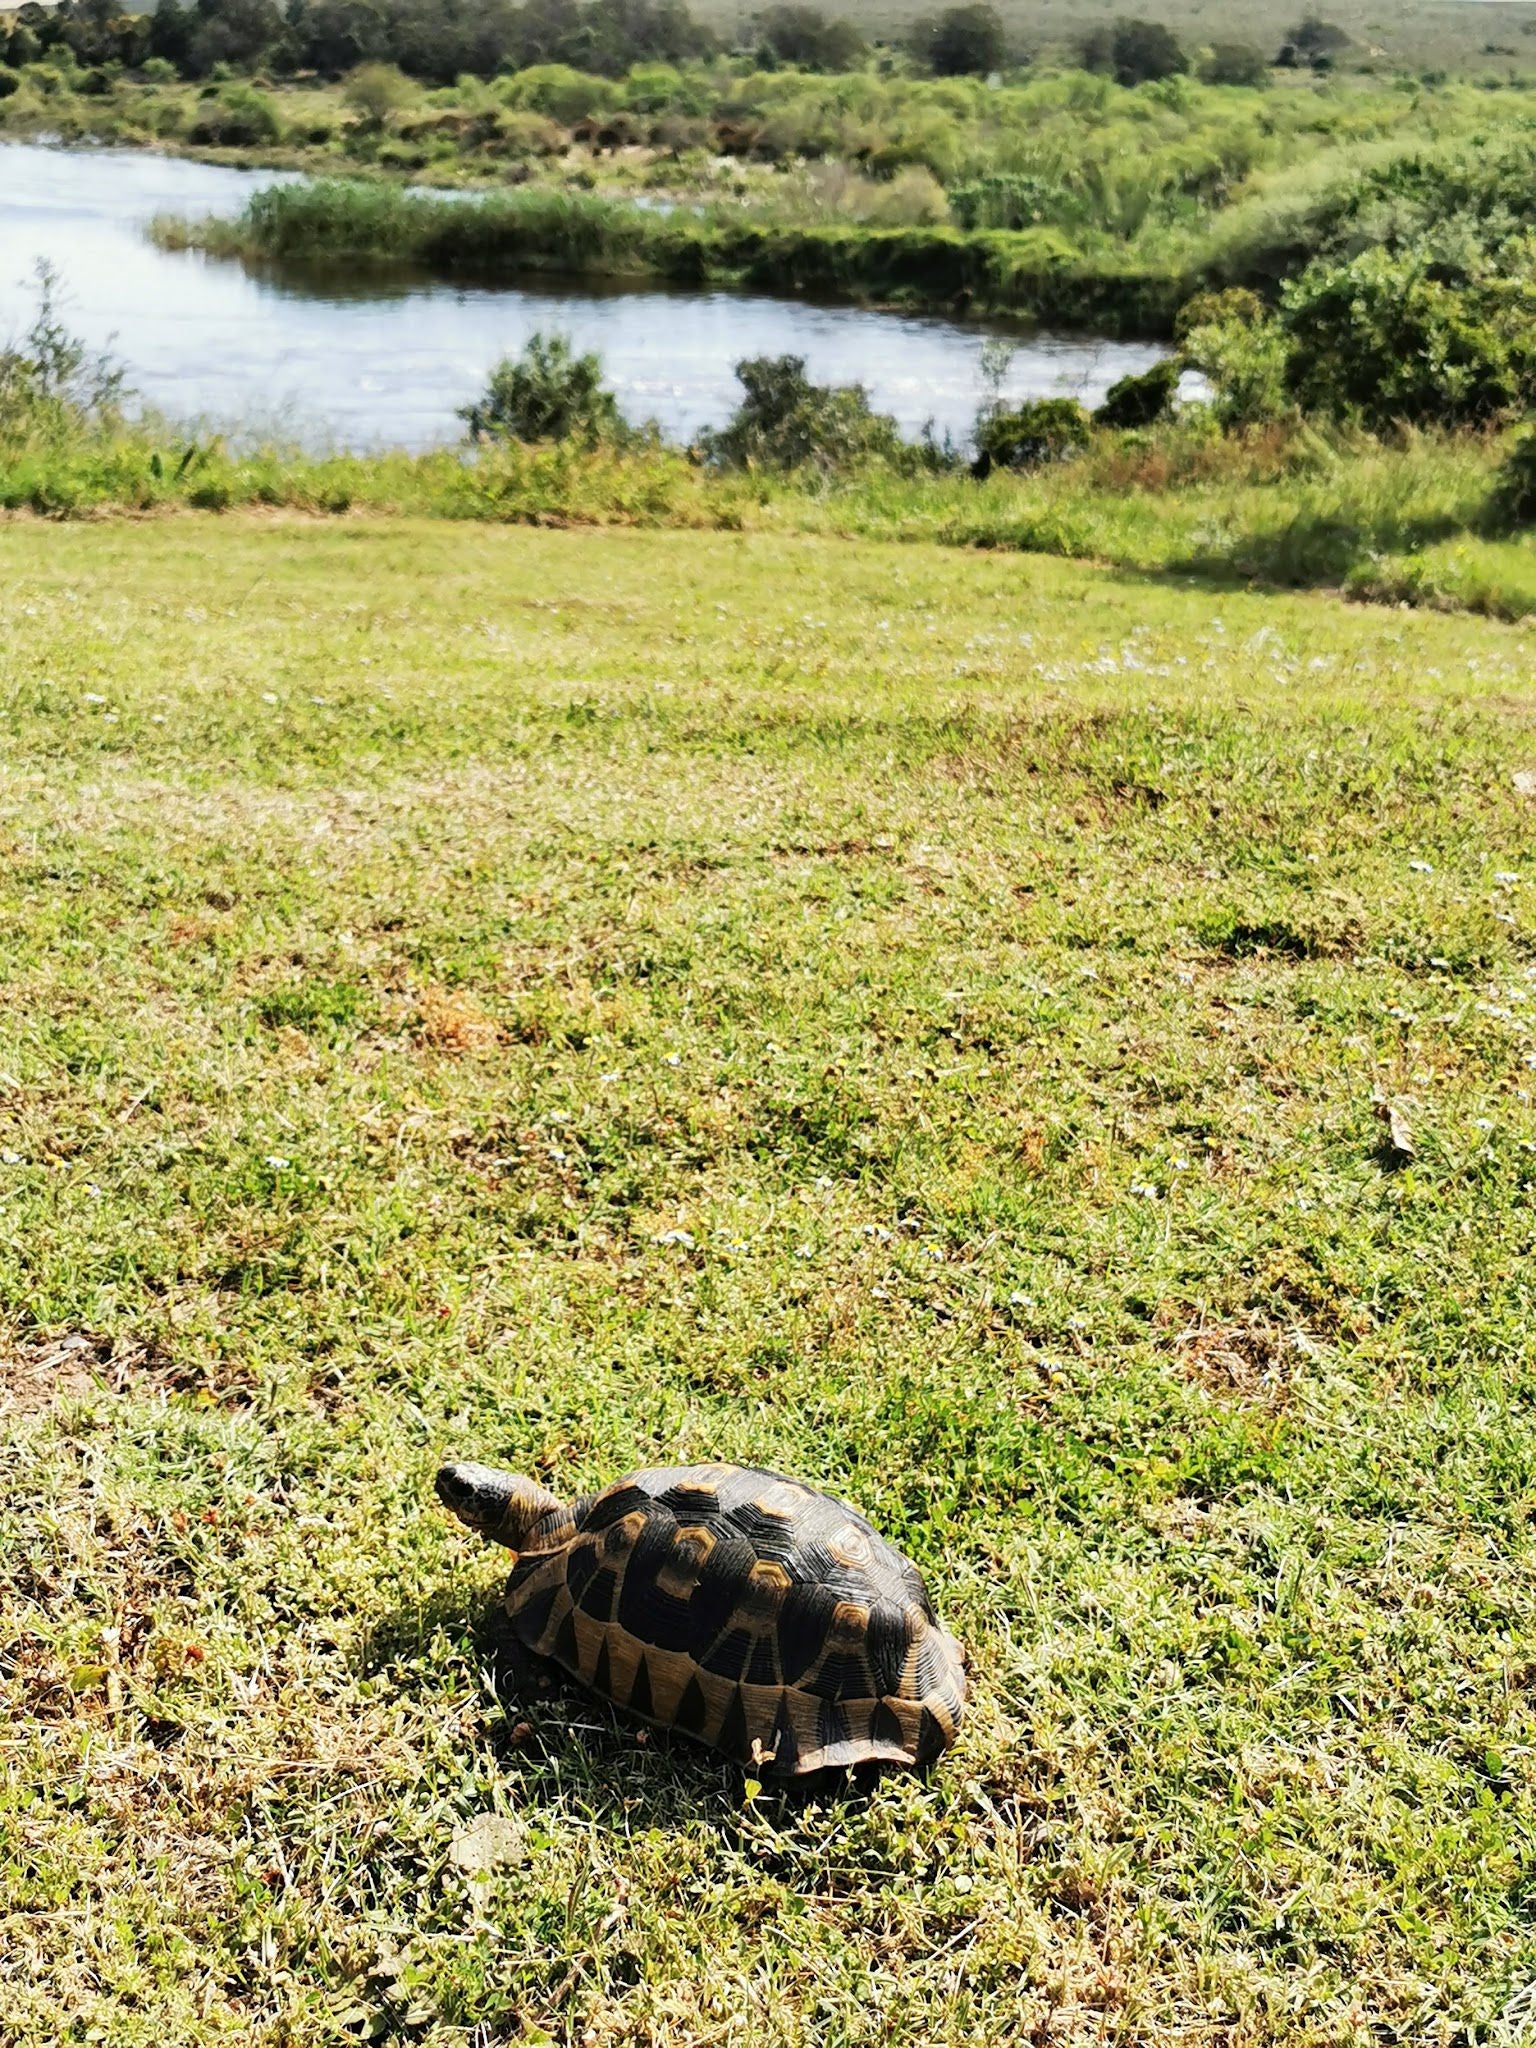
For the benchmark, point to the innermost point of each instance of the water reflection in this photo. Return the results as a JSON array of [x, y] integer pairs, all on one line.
[[370, 358]]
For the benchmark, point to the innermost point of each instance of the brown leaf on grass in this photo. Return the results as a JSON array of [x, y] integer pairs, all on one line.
[[452, 1021], [1248, 1360], [1399, 1143]]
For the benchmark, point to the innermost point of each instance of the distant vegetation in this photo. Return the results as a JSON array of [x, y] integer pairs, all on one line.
[[484, 38], [1425, 517], [1344, 258]]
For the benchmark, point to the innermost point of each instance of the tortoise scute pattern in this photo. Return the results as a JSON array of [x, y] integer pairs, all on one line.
[[745, 1609]]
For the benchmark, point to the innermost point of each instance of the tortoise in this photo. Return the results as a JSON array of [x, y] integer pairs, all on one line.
[[750, 1611]]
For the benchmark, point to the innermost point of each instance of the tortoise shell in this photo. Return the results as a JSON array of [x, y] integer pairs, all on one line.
[[747, 1610]]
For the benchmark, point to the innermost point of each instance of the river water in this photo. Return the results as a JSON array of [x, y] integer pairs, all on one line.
[[345, 358]]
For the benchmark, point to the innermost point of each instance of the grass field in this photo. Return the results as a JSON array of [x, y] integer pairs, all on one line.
[[915, 1018]]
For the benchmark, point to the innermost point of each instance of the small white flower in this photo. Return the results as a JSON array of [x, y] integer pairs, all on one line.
[[1421, 867], [92, 698], [267, 697], [1482, 1123], [1018, 1300], [1509, 880], [682, 1237], [607, 1079], [10, 1158], [674, 1059], [276, 1159], [805, 1251]]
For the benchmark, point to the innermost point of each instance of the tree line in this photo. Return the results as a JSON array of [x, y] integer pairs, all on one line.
[[438, 41]]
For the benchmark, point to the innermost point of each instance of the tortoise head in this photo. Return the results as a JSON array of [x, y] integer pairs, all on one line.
[[496, 1505]]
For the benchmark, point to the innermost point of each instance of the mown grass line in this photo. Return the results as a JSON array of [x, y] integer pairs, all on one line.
[[1293, 509], [994, 967]]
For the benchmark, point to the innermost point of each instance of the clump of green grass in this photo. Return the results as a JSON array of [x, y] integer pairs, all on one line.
[[915, 1018], [551, 227]]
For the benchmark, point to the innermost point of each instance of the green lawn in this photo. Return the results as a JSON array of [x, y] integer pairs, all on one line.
[[910, 1017]]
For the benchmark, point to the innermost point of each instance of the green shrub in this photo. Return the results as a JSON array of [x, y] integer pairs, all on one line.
[[1136, 52], [548, 393], [1029, 436], [1235, 64], [1013, 200], [785, 422], [1232, 339], [804, 37], [10, 82], [375, 91], [1140, 401], [960, 42], [1512, 502], [239, 118], [563, 94], [46, 79], [51, 386], [158, 71], [1394, 337]]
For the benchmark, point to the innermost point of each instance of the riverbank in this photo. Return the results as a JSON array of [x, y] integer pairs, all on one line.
[[1029, 274], [1057, 196], [1402, 523]]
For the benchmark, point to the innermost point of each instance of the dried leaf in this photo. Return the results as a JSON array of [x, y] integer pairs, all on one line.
[[1400, 1138], [490, 1842]]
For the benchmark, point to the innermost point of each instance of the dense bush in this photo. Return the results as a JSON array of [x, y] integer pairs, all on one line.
[[1233, 340], [1012, 200], [804, 37], [548, 393], [1315, 42], [1135, 52], [786, 422], [239, 118], [1141, 401], [962, 41], [1235, 64], [1390, 337], [1513, 500], [378, 90], [1030, 435], [10, 82]]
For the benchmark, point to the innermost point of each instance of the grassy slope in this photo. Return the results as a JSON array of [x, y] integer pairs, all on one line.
[[989, 964], [1291, 510]]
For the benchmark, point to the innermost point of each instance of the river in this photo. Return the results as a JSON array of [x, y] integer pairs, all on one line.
[[354, 359]]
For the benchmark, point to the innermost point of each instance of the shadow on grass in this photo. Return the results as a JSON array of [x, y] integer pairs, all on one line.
[[1312, 550], [567, 1743]]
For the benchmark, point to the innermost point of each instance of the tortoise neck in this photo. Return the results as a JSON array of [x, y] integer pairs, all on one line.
[[504, 1507]]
